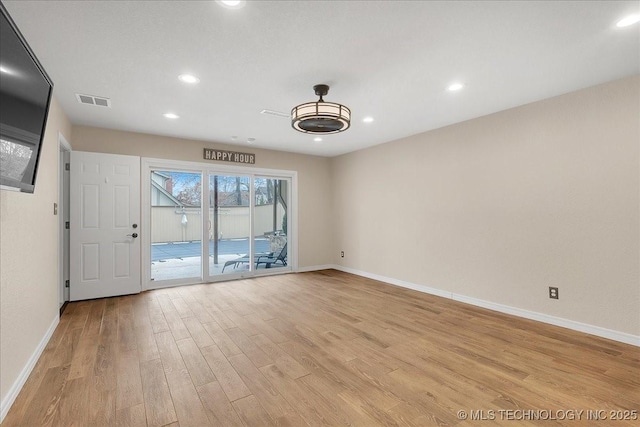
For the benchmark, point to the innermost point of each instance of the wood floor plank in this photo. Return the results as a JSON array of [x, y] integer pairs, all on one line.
[[67, 348], [104, 368], [126, 332], [158, 404], [281, 359], [228, 378], [221, 318], [314, 410], [198, 332], [102, 407], [84, 356], [249, 348], [195, 363], [129, 383], [260, 326], [320, 348], [189, 408], [219, 409], [156, 317], [276, 406], [96, 311], [169, 353], [221, 339], [251, 413], [201, 313], [132, 416], [42, 411], [74, 404], [145, 338], [181, 306], [176, 325]]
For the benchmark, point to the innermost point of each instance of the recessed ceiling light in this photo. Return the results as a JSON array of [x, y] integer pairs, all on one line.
[[232, 4], [367, 119], [317, 139], [251, 140], [188, 78], [171, 116], [455, 86], [629, 20]]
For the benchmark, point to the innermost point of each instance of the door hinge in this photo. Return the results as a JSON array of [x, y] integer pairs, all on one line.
[[67, 225], [66, 283], [67, 166]]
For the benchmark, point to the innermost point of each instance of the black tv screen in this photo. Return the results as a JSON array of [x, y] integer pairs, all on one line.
[[25, 95]]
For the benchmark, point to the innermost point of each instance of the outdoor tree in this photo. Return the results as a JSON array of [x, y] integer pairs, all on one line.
[[190, 193]]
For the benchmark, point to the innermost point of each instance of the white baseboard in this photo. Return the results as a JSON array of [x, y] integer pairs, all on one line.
[[315, 268], [13, 392], [532, 315]]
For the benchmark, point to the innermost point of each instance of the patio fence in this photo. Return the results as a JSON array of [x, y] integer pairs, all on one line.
[[233, 223]]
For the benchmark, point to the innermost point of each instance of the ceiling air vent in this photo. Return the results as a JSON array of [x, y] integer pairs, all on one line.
[[276, 113], [98, 101]]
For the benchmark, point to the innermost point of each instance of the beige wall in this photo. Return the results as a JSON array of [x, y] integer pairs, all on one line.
[[314, 182], [28, 259], [501, 207]]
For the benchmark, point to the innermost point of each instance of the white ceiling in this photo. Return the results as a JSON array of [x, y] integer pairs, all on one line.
[[391, 60]]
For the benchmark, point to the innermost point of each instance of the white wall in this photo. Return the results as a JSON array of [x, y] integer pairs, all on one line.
[[501, 207], [28, 260]]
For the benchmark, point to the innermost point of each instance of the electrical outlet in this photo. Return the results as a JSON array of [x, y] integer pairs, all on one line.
[[553, 293], [341, 254]]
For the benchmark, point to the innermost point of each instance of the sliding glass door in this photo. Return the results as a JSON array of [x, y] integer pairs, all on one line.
[[247, 225], [229, 224], [176, 225], [242, 215], [271, 222]]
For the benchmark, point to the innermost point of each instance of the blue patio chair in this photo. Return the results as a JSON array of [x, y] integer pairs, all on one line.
[[235, 262], [268, 261]]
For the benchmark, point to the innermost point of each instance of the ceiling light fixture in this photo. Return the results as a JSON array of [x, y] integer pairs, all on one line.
[[455, 87], [368, 119], [171, 115], [232, 4], [188, 78], [629, 20], [317, 139], [320, 117]]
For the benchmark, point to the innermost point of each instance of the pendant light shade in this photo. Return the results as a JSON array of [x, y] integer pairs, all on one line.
[[320, 117]]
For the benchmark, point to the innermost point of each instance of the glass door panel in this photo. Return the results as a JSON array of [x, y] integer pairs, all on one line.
[[176, 225], [229, 225], [271, 222]]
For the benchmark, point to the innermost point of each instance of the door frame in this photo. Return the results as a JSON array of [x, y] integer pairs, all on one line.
[[149, 164], [64, 150]]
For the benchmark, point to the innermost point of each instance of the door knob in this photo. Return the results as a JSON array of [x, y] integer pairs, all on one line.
[[134, 235]]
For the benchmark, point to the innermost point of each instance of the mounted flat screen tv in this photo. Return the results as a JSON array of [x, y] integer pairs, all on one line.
[[25, 95]]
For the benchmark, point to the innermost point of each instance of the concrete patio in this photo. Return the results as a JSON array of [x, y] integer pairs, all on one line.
[[183, 260]]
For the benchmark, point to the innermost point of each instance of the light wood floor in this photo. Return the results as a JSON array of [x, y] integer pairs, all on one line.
[[323, 348]]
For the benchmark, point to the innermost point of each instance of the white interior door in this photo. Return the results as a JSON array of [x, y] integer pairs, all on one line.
[[105, 225]]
